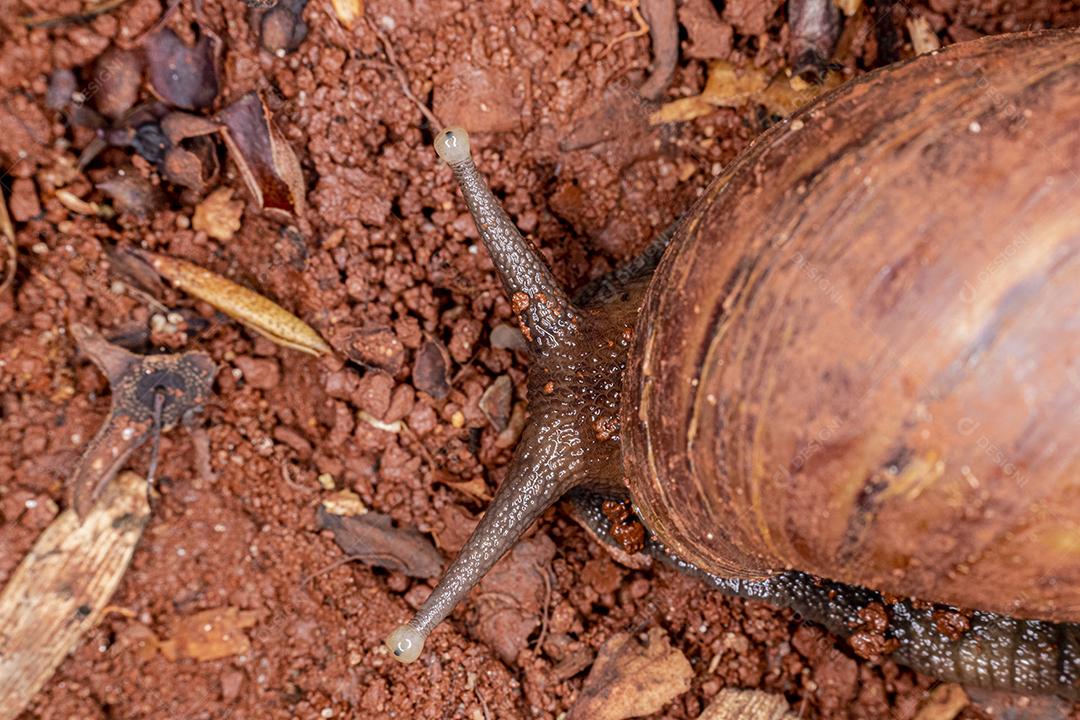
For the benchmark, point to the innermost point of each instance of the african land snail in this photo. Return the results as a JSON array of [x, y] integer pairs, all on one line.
[[852, 384]]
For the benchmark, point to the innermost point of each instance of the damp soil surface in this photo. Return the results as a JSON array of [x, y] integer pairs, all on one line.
[[416, 417]]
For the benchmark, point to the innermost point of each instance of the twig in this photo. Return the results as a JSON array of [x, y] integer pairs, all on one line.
[[546, 611], [643, 29], [483, 703], [155, 438], [402, 79], [45, 21]]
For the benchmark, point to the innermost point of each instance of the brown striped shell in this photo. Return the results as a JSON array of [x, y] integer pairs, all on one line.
[[860, 358]]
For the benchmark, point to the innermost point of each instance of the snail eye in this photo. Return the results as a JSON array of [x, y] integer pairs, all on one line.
[[406, 643], [452, 145]]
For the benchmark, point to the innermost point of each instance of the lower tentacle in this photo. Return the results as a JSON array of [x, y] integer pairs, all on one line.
[[986, 650]]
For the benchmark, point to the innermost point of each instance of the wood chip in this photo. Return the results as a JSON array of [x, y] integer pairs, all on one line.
[[240, 303], [631, 678], [733, 704], [209, 635], [348, 12], [62, 587], [923, 37]]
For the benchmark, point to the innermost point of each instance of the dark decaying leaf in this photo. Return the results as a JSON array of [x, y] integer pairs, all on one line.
[[495, 402], [431, 369], [179, 126], [283, 27], [135, 380], [372, 539], [192, 160], [267, 163], [182, 76], [131, 193]]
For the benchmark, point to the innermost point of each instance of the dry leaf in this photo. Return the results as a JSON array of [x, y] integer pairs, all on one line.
[[348, 11], [131, 193], [495, 402], [179, 126], [218, 215], [630, 679], [474, 488], [238, 302], [7, 240], [511, 596], [733, 87], [727, 86], [944, 702], [62, 586], [733, 704], [266, 161], [372, 539], [182, 76], [210, 635], [785, 95]]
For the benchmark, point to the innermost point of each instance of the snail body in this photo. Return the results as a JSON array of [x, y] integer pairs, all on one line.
[[852, 384]]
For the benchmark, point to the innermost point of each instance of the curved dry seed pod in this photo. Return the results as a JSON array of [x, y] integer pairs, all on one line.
[[241, 304]]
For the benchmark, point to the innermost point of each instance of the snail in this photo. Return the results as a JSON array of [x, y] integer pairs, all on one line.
[[851, 383]]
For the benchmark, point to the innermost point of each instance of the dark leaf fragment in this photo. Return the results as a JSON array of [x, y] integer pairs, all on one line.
[[372, 539], [182, 76], [136, 382], [431, 369], [267, 163]]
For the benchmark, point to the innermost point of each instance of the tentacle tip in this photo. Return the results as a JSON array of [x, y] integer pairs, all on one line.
[[405, 643], [452, 145]]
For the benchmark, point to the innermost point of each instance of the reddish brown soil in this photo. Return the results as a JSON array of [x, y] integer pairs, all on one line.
[[387, 245]]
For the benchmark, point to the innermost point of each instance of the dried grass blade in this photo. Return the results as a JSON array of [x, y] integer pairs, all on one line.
[[62, 587]]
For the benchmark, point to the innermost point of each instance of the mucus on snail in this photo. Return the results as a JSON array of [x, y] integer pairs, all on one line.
[[852, 380]]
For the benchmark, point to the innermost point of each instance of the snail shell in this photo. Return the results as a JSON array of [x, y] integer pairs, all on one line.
[[860, 356]]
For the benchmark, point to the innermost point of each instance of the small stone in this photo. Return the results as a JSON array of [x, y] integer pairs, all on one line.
[[327, 481], [508, 337], [260, 373], [458, 419], [23, 203], [373, 393]]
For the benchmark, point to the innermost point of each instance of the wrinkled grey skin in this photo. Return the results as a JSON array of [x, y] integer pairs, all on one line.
[[570, 447]]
